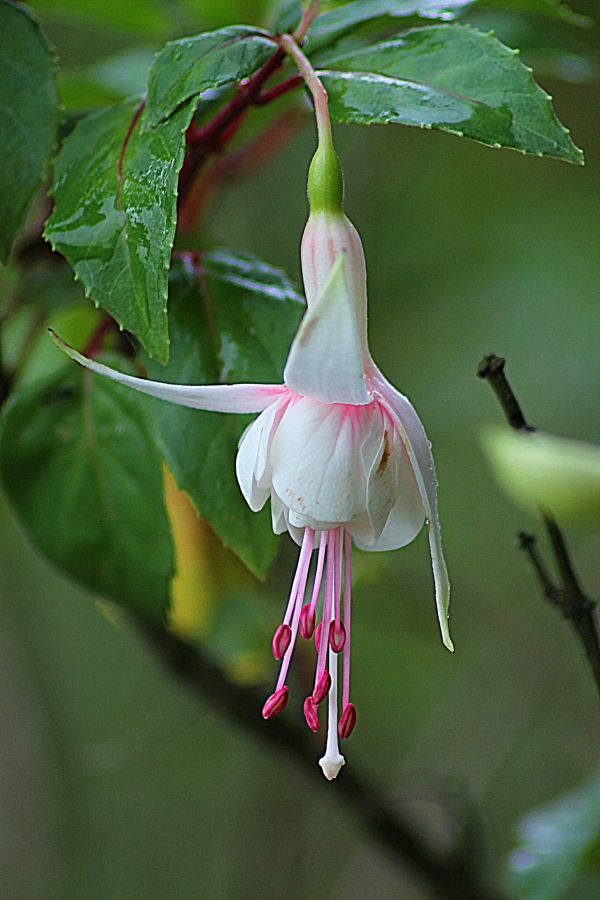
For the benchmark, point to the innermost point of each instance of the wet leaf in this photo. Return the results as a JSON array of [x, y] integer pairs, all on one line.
[[115, 211], [333, 23], [547, 46], [30, 116], [187, 67], [342, 18], [453, 78], [81, 468], [232, 320]]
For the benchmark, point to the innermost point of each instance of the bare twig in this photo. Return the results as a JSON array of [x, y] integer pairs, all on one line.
[[447, 875], [567, 596]]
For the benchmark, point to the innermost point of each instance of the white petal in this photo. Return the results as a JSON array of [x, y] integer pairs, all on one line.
[[419, 452], [380, 463], [278, 517], [407, 515], [233, 398], [317, 467], [252, 460], [326, 360]]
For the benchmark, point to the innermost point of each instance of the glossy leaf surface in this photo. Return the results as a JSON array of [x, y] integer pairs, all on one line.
[[342, 19], [453, 78], [187, 67], [114, 215]]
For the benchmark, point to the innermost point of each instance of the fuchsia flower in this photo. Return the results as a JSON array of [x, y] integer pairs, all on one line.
[[340, 453]]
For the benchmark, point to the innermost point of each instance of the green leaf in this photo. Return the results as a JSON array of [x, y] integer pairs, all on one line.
[[186, 68], [286, 16], [29, 119], [342, 18], [453, 78], [541, 471], [557, 845], [232, 320], [115, 213], [551, 9], [333, 23], [548, 47], [80, 466]]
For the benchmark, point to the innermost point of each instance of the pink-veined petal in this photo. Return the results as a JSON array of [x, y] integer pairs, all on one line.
[[232, 398], [419, 452], [326, 359]]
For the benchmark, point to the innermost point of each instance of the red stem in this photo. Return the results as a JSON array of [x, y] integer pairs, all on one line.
[[204, 141], [279, 90], [94, 344]]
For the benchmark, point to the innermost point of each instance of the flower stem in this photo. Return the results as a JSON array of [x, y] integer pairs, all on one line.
[[313, 83], [325, 178]]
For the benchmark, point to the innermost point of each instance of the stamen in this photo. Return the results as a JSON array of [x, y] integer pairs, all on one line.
[[281, 640], [332, 761], [308, 533], [327, 605], [275, 704], [347, 612], [307, 622], [337, 634], [347, 721], [301, 576], [308, 615], [322, 688], [311, 714], [318, 636]]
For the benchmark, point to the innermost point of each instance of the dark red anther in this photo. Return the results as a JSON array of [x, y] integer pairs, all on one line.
[[307, 622], [337, 635], [311, 714], [318, 636], [322, 688], [275, 704], [281, 641], [347, 721]]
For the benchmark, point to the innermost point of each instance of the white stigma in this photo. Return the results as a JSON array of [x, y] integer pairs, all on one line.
[[333, 760]]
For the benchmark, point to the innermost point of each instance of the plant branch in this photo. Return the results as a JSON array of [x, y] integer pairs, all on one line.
[[202, 142], [568, 596], [443, 873]]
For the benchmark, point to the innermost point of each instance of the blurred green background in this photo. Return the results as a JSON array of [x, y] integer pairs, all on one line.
[[114, 783]]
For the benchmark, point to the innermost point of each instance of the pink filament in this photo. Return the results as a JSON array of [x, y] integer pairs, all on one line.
[[319, 572], [296, 600], [328, 601], [347, 610], [307, 616]]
